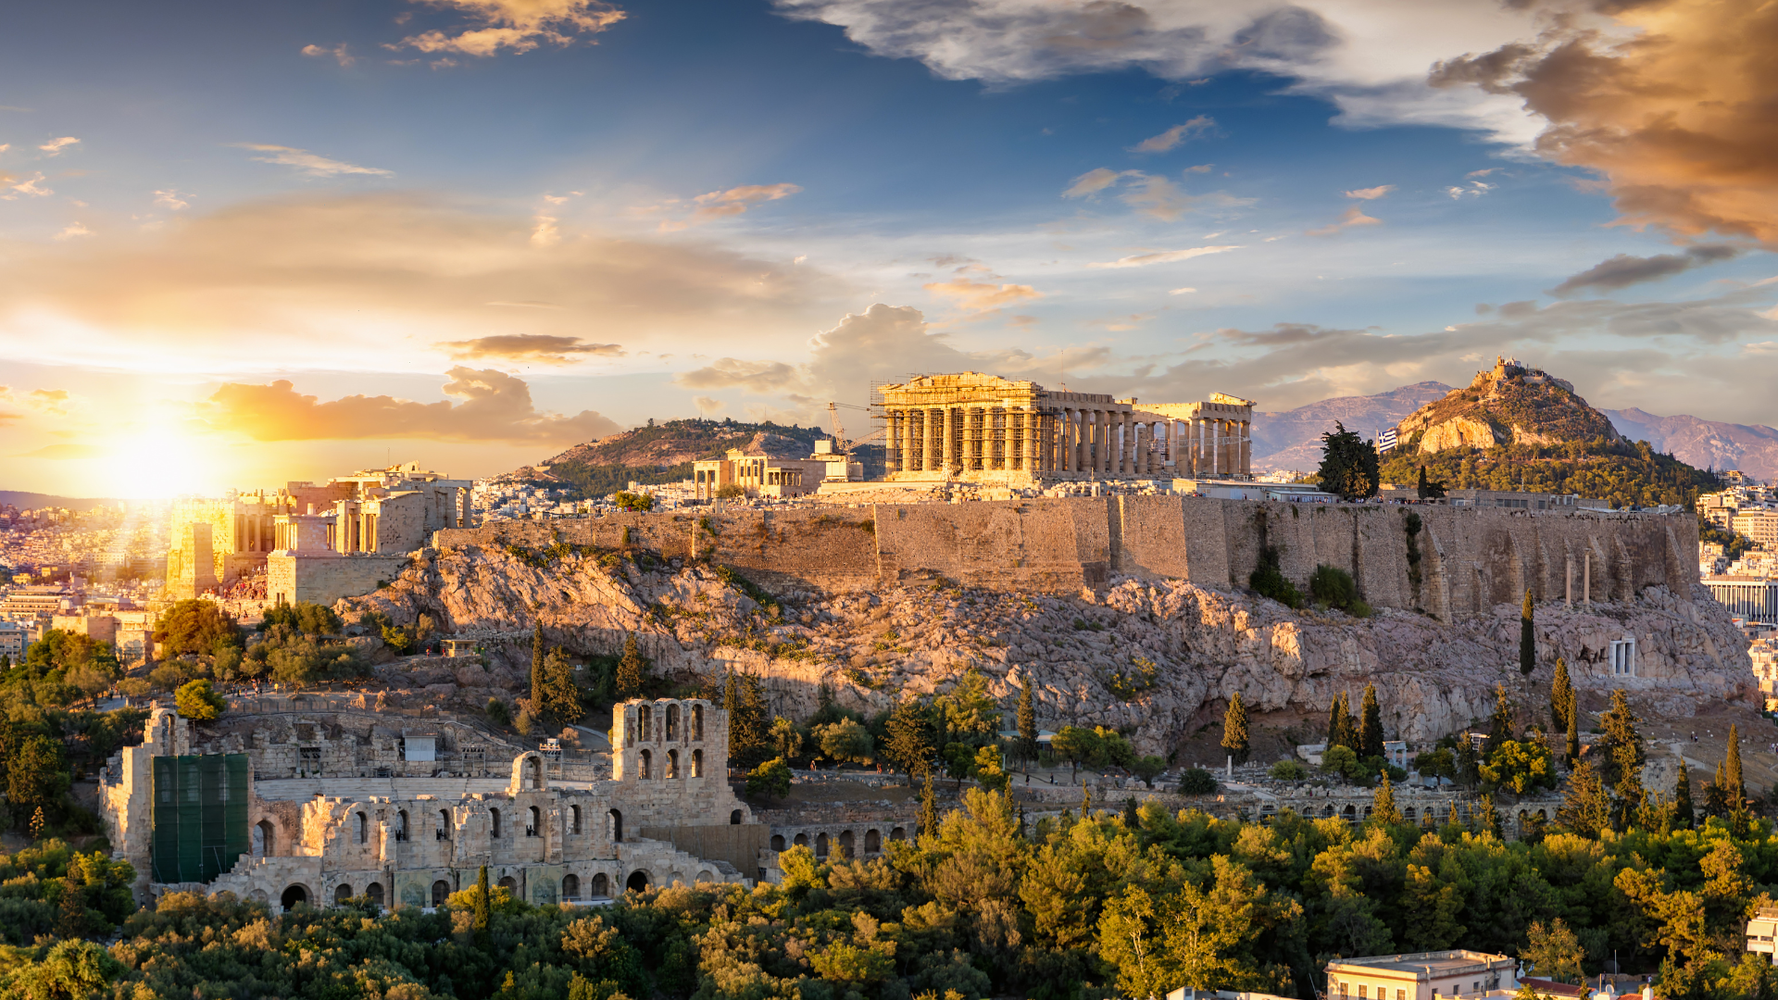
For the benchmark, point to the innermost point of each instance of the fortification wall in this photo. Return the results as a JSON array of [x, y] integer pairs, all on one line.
[[1458, 560]]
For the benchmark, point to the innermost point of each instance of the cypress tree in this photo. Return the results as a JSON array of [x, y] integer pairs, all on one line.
[[537, 683], [1500, 724], [1452, 818], [1490, 820], [928, 808], [1682, 798], [1733, 786], [1234, 729], [1586, 808], [481, 907], [1422, 485], [910, 740], [1027, 722], [1573, 747], [1336, 716], [1527, 638], [1370, 725], [1625, 755], [632, 669], [1561, 697], [1383, 804]]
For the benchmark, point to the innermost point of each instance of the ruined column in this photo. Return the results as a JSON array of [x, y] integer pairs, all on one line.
[[1586, 577], [903, 422], [1138, 450], [1123, 426], [1078, 441], [1568, 579]]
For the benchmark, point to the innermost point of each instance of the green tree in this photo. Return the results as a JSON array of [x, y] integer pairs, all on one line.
[[1077, 745], [990, 769], [558, 698], [1561, 697], [1683, 811], [749, 720], [1383, 808], [968, 709], [1554, 951], [1370, 725], [1586, 808], [537, 682], [1148, 768], [844, 740], [482, 916], [1625, 753], [1519, 767], [1234, 729], [1571, 749], [1527, 637], [37, 777], [928, 808], [1027, 721], [770, 779], [303, 616], [632, 671], [199, 702], [787, 739], [1348, 464], [910, 739], [1429, 489], [1500, 724], [196, 626], [1734, 787]]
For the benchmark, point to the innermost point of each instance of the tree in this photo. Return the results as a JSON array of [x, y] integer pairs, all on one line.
[[1500, 724], [1554, 952], [1370, 725], [1348, 464], [928, 808], [1148, 768], [1625, 754], [1572, 749], [1077, 746], [1586, 808], [1489, 817], [1733, 786], [1027, 722], [910, 739], [537, 663], [199, 702], [558, 698], [1519, 766], [1430, 489], [749, 721], [990, 770], [193, 626], [1234, 729], [1383, 808], [844, 740], [1561, 697], [771, 779], [968, 709], [632, 671], [480, 923], [1527, 638], [36, 776], [634, 501], [1342, 729], [303, 616], [1683, 811], [787, 740]]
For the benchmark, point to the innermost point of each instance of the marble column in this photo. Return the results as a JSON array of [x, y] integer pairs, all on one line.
[[1245, 466], [907, 440], [1010, 436], [948, 443]]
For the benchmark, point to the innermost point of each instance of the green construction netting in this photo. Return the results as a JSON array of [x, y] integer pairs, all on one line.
[[200, 816]]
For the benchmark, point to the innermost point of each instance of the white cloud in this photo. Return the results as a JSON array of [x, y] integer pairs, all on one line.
[[171, 199], [1092, 182], [545, 233], [310, 163], [54, 147], [1183, 291], [338, 52], [72, 231], [714, 205], [1354, 217], [33, 187], [1369, 59], [514, 25], [1371, 194], [981, 296], [1163, 257], [1176, 135], [1150, 194]]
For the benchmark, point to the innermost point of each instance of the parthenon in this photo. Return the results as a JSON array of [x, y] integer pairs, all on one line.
[[971, 426]]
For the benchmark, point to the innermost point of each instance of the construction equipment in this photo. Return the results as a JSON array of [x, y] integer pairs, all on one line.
[[841, 445]]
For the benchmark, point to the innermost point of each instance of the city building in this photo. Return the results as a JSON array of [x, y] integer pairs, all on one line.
[[14, 640], [1420, 975], [1760, 933], [774, 466], [1760, 525], [975, 427], [301, 809], [1745, 596]]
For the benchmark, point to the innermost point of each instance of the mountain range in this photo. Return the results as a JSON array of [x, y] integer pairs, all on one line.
[[1291, 439]]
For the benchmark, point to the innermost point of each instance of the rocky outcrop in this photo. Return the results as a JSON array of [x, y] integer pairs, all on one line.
[[1162, 656], [1510, 402], [1459, 432]]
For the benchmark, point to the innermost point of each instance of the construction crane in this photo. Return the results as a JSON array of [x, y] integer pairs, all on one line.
[[841, 445]]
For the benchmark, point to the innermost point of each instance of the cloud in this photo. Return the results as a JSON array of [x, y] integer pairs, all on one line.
[[544, 233], [706, 404], [1092, 182], [1183, 291], [1625, 270], [33, 187], [736, 200], [1163, 257], [1370, 194], [1475, 190], [73, 230], [529, 347], [1368, 59], [65, 452], [494, 407], [54, 147], [309, 163], [172, 200], [338, 52], [1202, 168], [1670, 106], [1354, 217], [1150, 194], [1177, 135], [981, 296], [515, 25], [733, 373]]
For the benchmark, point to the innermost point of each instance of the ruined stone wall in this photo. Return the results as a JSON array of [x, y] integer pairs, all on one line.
[[326, 579], [1469, 560], [402, 521]]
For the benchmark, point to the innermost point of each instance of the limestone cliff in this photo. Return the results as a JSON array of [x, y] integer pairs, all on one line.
[[1163, 655], [1508, 403]]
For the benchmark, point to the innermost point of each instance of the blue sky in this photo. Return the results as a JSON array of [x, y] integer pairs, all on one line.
[[480, 230]]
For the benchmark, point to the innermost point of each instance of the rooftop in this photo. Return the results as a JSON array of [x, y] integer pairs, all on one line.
[[1432, 963]]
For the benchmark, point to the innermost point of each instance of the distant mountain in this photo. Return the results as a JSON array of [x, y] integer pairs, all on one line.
[[26, 501], [1705, 444], [1507, 404], [1291, 439]]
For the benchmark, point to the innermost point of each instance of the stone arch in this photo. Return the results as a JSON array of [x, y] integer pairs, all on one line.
[[802, 840], [510, 884], [1349, 814], [672, 722], [1542, 816], [259, 896], [264, 837], [734, 817], [614, 826], [441, 891], [601, 886], [645, 720], [1327, 810], [342, 894], [375, 893], [821, 845], [401, 832], [444, 824], [672, 764], [697, 763], [528, 774], [1368, 810], [704, 876], [846, 841], [574, 820], [363, 827], [494, 824], [571, 886], [646, 759], [637, 882], [697, 722], [293, 894], [536, 827], [777, 842], [873, 842], [1409, 814], [677, 878], [899, 833]]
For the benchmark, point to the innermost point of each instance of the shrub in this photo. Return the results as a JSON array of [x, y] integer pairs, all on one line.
[[634, 501], [1289, 770], [199, 702], [1197, 781], [1269, 581], [1334, 588]]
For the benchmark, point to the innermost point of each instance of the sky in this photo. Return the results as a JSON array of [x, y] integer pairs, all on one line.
[[243, 244]]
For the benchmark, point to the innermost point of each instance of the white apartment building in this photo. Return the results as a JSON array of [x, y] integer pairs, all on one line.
[[1420, 976]]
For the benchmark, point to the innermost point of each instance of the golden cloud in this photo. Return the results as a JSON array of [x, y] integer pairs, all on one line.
[[516, 25], [1677, 118], [529, 347], [495, 407], [981, 296]]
